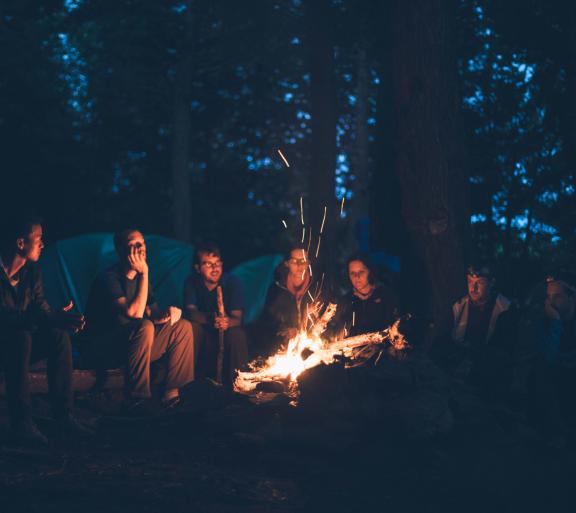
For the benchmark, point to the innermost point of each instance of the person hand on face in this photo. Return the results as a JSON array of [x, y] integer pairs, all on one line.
[[137, 253]]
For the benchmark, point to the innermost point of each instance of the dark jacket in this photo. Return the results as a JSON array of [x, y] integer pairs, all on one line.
[[359, 316], [281, 310], [23, 306]]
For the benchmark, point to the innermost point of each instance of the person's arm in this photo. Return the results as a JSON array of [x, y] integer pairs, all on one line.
[[234, 303], [194, 315], [136, 308]]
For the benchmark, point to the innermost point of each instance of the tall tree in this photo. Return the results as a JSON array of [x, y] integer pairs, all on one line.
[[321, 183], [182, 131], [430, 158]]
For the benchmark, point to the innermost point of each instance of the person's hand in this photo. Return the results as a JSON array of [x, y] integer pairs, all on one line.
[[550, 311], [70, 320], [222, 322], [174, 314], [137, 260]]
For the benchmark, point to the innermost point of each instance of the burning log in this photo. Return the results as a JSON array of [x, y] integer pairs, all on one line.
[[307, 350]]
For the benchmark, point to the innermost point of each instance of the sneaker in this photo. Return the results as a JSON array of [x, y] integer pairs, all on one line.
[[27, 433], [70, 426]]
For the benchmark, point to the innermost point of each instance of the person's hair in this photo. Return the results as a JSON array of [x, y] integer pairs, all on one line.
[[120, 237], [206, 248], [13, 230], [366, 259], [480, 270], [566, 278], [293, 247]]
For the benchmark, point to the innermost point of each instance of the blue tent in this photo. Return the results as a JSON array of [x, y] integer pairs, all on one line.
[[70, 266]]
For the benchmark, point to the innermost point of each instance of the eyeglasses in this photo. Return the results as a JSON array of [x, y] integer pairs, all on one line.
[[212, 265], [298, 261]]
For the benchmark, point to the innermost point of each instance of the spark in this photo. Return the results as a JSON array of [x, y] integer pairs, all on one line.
[[379, 356], [323, 220], [310, 268], [303, 234], [342, 206], [284, 223], [309, 241], [353, 318], [303, 254], [311, 297], [318, 246], [303, 274], [283, 158], [310, 319], [301, 211]]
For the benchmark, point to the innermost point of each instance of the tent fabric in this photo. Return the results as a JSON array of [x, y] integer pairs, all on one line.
[[70, 266]]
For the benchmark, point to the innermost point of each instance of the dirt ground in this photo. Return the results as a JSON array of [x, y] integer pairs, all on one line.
[[223, 453]]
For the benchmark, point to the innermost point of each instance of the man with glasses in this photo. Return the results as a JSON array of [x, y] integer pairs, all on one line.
[[209, 324], [128, 328]]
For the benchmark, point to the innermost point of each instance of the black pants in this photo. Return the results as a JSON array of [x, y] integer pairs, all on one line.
[[235, 352], [21, 347], [139, 343]]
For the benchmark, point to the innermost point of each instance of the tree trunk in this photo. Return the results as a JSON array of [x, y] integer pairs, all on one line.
[[322, 174], [430, 158], [181, 134], [360, 167], [571, 89]]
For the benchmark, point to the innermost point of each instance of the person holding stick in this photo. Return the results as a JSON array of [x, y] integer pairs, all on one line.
[[214, 303]]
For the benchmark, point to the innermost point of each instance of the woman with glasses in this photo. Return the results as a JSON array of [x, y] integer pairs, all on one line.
[[289, 299]]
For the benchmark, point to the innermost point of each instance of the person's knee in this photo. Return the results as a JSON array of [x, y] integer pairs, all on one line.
[[184, 327], [144, 327], [143, 333]]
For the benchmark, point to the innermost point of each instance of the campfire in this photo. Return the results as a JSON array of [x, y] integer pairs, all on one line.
[[307, 349]]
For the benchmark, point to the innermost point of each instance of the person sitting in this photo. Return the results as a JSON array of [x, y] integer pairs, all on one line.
[[31, 331], [370, 305], [553, 376], [288, 300], [201, 308], [479, 346], [125, 326]]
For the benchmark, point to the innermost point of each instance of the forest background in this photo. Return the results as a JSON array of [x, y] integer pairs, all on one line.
[[448, 127]]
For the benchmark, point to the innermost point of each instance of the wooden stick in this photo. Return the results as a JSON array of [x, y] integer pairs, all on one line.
[[220, 358]]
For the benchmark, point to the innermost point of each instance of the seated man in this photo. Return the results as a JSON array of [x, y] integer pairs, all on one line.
[[31, 330], [553, 377], [479, 340], [127, 327], [201, 306]]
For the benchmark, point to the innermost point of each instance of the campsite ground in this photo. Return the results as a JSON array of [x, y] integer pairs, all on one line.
[[226, 454]]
